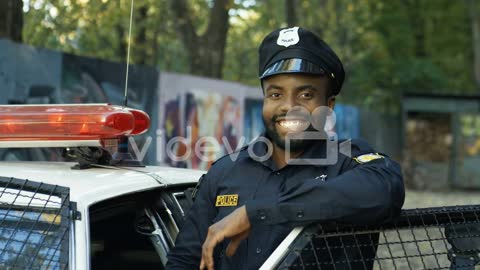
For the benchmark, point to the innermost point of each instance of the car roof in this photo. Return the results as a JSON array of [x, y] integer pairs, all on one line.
[[98, 183]]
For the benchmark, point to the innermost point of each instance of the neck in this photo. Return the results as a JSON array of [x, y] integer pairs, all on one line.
[[279, 157]]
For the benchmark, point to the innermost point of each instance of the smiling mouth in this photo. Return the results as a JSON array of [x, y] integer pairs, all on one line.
[[293, 124]]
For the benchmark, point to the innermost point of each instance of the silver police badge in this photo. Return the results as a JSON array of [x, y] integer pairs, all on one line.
[[288, 37]]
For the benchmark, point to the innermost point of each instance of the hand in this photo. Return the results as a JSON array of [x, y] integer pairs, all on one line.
[[235, 226]]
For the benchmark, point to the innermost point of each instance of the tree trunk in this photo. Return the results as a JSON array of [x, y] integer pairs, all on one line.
[[153, 61], [417, 23], [206, 51], [141, 38], [11, 19], [326, 18], [122, 44], [474, 18], [291, 12]]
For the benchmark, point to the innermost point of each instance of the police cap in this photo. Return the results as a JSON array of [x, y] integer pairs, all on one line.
[[297, 50]]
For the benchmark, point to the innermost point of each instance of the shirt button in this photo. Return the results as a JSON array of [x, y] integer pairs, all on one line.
[[300, 214], [262, 215], [258, 251]]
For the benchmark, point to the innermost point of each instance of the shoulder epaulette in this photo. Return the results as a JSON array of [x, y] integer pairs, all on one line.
[[228, 155]]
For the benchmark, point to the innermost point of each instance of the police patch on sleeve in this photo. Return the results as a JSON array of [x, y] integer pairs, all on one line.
[[227, 200], [367, 157]]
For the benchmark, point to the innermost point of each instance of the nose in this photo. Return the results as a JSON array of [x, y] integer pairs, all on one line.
[[288, 103]]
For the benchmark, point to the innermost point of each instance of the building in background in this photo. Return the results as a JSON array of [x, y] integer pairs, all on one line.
[[441, 141]]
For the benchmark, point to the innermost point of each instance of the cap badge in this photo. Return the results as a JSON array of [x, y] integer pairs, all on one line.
[[288, 37]]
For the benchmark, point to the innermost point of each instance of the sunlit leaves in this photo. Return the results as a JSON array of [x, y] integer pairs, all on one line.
[[376, 39]]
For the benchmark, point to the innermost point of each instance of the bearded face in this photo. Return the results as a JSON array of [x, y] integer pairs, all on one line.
[[294, 103]]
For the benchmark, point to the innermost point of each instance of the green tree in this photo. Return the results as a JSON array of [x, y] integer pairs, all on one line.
[[205, 47], [387, 47], [475, 25]]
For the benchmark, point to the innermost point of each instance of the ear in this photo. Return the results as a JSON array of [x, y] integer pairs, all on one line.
[[331, 102]]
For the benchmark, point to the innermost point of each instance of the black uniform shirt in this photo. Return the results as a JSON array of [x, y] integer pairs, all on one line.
[[352, 190]]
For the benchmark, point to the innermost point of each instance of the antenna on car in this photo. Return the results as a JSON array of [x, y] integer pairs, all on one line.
[[122, 157], [128, 54]]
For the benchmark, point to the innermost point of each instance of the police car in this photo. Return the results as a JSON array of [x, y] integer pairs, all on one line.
[[89, 213], [97, 211]]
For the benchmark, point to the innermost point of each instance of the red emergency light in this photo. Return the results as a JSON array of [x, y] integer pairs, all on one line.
[[72, 122], [142, 122]]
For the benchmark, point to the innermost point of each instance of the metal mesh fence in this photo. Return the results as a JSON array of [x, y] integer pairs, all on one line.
[[431, 238], [34, 225]]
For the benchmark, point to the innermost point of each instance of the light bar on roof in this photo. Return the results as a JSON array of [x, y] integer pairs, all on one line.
[[67, 125]]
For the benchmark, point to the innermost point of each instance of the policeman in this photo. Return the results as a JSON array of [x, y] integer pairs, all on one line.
[[250, 200]]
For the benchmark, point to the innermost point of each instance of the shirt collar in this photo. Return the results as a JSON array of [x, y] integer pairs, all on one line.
[[259, 151]]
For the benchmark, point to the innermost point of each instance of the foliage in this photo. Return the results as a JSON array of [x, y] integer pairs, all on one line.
[[388, 47]]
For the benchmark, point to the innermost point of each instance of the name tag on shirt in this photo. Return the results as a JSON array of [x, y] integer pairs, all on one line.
[[227, 200]]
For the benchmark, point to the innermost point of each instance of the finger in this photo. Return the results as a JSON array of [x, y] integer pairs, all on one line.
[[233, 246], [203, 265], [208, 247], [235, 243], [206, 261], [208, 255]]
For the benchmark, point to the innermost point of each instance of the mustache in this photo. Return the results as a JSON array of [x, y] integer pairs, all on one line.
[[275, 117], [296, 115]]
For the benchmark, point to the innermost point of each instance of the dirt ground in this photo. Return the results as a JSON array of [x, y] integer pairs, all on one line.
[[422, 199]]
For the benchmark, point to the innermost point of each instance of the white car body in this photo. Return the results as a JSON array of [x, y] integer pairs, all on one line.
[[93, 185]]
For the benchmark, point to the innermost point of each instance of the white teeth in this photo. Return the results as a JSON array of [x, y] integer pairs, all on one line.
[[292, 124], [289, 123]]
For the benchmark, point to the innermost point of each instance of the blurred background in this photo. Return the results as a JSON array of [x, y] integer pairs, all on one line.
[[412, 87]]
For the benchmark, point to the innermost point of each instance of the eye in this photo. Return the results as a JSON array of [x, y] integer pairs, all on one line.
[[306, 95], [274, 95]]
